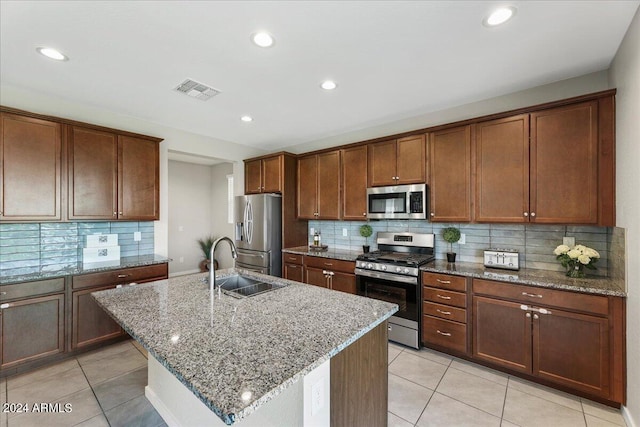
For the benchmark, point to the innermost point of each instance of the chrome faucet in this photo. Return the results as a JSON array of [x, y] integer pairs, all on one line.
[[212, 268]]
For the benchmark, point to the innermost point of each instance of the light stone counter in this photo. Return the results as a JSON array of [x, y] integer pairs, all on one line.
[[259, 345]]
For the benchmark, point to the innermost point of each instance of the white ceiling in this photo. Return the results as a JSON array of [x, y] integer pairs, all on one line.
[[391, 59]]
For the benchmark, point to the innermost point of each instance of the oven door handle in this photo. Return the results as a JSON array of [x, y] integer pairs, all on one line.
[[387, 276]]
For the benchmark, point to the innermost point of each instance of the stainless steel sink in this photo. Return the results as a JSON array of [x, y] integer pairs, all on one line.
[[243, 286]]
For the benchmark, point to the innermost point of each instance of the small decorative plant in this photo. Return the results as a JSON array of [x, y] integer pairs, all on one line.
[[205, 244], [451, 235], [576, 259], [366, 231]]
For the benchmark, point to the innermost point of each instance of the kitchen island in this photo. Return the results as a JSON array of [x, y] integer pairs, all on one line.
[[265, 356]]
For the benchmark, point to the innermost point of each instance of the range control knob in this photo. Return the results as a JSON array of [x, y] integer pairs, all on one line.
[[369, 265], [398, 269], [406, 271], [383, 268]]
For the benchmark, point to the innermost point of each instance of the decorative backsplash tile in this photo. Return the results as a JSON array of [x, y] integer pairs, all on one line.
[[40, 247], [534, 242]]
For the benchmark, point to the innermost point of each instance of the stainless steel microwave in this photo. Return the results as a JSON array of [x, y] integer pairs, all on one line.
[[397, 202]]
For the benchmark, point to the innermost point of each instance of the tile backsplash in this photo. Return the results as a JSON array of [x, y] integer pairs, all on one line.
[[534, 242], [39, 247]]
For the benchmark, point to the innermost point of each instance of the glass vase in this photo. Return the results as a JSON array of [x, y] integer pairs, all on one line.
[[576, 272]]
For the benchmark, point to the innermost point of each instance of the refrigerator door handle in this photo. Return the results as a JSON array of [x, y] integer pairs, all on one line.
[[248, 217]]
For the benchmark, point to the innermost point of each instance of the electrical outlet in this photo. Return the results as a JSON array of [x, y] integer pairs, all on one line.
[[317, 397], [345, 232], [463, 239], [137, 236], [312, 231], [569, 241]]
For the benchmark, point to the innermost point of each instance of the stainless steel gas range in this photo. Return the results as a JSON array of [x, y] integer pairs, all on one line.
[[392, 273]]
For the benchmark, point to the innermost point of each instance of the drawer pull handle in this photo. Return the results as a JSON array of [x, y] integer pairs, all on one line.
[[446, 282], [3, 293], [442, 297], [446, 334], [328, 263], [122, 276], [448, 313], [5, 305], [526, 294]]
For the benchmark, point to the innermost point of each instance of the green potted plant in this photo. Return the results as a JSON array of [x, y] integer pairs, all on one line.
[[451, 235], [366, 231], [205, 244]]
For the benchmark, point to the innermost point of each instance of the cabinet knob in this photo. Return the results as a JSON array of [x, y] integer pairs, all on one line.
[[119, 213], [526, 214], [364, 214], [433, 214], [115, 213], [533, 214], [528, 315], [535, 316]]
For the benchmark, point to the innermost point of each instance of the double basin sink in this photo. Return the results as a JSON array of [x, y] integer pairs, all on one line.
[[240, 286]]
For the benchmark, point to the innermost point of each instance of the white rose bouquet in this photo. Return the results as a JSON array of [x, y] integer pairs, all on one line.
[[576, 259]]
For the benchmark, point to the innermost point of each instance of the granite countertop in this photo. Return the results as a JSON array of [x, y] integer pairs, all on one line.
[[530, 276], [343, 254], [259, 345], [125, 262]]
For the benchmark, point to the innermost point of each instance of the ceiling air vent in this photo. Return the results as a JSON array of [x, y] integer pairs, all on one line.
[[197, 90]]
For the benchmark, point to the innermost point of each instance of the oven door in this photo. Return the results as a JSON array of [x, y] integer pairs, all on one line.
[[397, 289]]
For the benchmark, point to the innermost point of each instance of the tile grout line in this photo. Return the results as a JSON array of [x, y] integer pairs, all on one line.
[[504, 402], [94, 395]]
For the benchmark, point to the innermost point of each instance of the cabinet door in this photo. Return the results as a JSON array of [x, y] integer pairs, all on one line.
[[294, 272], [315, 276], [501, 333], [272, 175], [502, 170], [307, 187], [354, 183], [343, 282], [91, 324], [32, 329], [450, 174], [30, 158], [329, 185], [573, 350], [93, 174], [382, 163], [564, 165], [138, 179], [253, 177], [411, 160]]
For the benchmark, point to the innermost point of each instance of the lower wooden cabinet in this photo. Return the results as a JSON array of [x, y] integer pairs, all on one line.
[[330, 273], [293, 267], [31, 329], [90, 322]]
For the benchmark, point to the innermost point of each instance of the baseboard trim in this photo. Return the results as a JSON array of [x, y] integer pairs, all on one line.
[[627, 417], [164, 412]]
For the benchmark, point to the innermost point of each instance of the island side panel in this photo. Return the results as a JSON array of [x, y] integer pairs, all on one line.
[[359, 381]]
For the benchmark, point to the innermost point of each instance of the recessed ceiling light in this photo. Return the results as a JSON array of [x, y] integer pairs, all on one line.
[[328, 85], [262, 39], [246, 119], [499, 16], [52, 53]]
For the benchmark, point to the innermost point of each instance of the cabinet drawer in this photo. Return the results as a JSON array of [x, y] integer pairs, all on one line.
[[444, 281], [444, 333], [444, 311], [125, 275], [440, 296], [543, 297], [330, 264], [30, 289], [293, 258]]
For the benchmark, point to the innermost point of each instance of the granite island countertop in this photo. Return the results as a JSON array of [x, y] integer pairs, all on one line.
[[533, 277], [80, 268], [259, 345]]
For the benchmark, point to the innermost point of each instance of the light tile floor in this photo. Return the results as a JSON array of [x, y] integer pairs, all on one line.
[[426, 388]]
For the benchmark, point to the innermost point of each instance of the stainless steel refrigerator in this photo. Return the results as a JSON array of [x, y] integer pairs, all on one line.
[[258, 234]]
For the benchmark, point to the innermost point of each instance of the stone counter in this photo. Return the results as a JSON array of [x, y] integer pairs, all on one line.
[[343, 254], [258, 346]]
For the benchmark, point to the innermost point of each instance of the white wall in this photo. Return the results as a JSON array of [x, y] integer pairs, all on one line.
[[624, 75], [190, 190], [219, 209]]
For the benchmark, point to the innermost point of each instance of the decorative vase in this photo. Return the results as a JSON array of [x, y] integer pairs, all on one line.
[[451, 257], [365, 248], [576, 272], [205, 263]]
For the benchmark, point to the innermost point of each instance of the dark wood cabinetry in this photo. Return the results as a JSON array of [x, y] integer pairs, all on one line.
[[30, 169], [564, 338], [354, 183], [450, 175], [319, 186], [293, 267], [138, 179], [32, 322], [330, 273], [397, 161], [264, 175]]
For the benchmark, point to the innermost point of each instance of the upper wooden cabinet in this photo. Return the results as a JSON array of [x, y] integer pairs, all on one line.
[[30, 169], [319, 186], [112, 176], [450, 174], [354, 183], [263, 175], [540, 167], [397, 161]]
